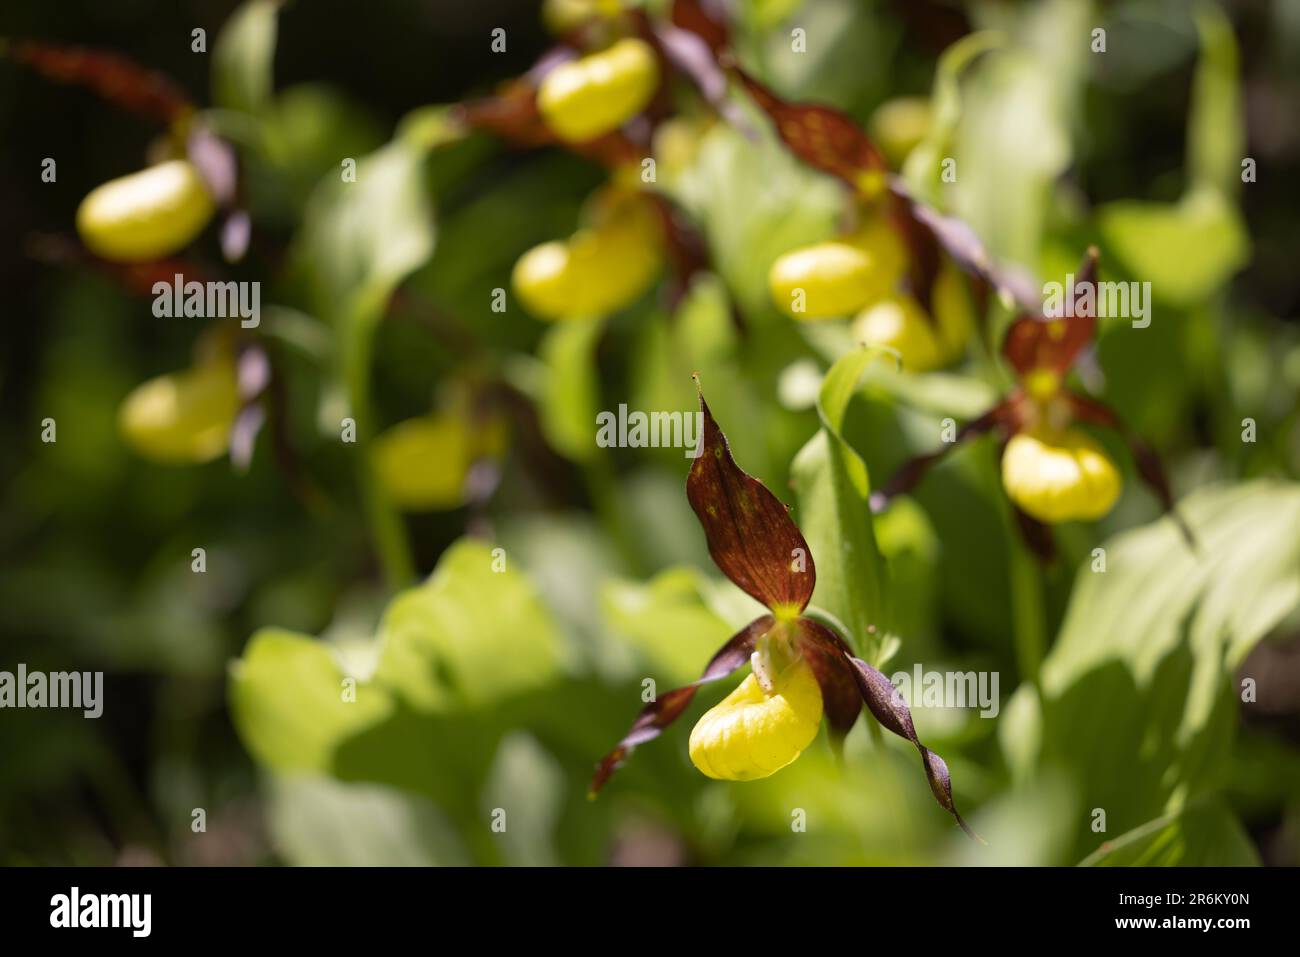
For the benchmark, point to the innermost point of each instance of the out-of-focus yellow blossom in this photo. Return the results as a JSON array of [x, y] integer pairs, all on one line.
[[751, 734], [423, 463], [827, 280], [596, 94], [601, 268], [183, 417], [147, 215], [564, 16], [898, 322], [1059, 475]]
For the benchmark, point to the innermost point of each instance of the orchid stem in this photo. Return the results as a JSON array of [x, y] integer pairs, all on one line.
[[1027, 613], [387, 531]]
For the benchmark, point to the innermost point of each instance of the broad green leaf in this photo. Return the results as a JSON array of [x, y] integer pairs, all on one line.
[[1012, 144], [360, 239], [1206, 834], [323, 822], [570, 397], [833, 488], [669, 622], [242, 57], [1137, 694], [1186, 250], [287, 701], [468, 637], [1242, 579], [525, 792]]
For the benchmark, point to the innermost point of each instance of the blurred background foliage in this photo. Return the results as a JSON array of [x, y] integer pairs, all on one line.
[[478, 689]]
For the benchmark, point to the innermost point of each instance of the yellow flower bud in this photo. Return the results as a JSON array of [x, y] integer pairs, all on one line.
[[898, 322], [600, 269], [751, 734], [1059, 476], [147, 215], [183, 417], [827, 280], [596, 94], [898, 125], [564, 16], [423, 462]]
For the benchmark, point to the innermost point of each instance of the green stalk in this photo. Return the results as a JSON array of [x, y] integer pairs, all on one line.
[[1028, 617], [387, 530]]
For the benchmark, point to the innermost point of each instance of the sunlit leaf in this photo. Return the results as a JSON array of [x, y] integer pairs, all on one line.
[[1186, 250], [323, 822], [242, 57], [1137, 692], [570, 396], [835, 516], [468, 637], [1206, 834]]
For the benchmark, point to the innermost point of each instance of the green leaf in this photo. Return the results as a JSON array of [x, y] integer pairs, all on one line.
[[571, 390], [526, 786], [469, 637], [1186, 250], [1206, 834], [922, 168], [287, 701], [833, 488], [322, 822], [669, 621], [360, 239], [1216, 132], [1137, 694], [242, 57]]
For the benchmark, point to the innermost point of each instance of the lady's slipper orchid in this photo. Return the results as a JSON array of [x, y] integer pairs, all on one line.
[[801, 668], [1052, 471]]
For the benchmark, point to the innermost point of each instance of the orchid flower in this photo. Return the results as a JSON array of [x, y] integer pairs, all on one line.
[[801, 670], [1052, 471]]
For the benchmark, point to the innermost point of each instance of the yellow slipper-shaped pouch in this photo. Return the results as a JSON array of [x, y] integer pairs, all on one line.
[[751, 734], [1059, 476]]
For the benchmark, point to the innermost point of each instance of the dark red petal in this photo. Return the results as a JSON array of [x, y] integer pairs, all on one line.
[[925, 230], [888, 707], [911, 472], [840, 698], [707, 19], [511, 114], [688, 252], [113, 77], [1040, 342], [668, 707], [821, 136], [750, 534]]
